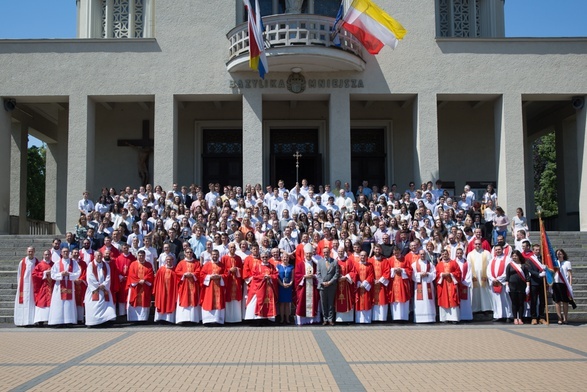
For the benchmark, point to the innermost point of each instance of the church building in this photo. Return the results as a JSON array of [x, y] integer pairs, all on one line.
[[161, 92]]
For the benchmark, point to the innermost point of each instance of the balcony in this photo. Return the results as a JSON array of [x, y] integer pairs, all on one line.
[[298, 40]]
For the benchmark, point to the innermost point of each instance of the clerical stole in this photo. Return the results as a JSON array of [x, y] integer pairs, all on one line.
[[96, 293], [43, 288], [266, 291], [419, 290], [497, 269], [21, 280], [233, 287], [189, 289], [80, 284], [484, 260], [140, 288], [448, 293], [364, 300], [66, 286], [309, 283], [381, 269], [464, 290], [345, 295]]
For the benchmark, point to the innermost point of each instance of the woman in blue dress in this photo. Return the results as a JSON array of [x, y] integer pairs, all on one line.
[[286, 270]]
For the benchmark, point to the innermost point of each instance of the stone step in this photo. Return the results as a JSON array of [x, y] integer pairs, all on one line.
[[6, 319]]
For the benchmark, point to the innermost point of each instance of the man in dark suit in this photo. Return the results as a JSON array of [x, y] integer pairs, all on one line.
[[328, 273]]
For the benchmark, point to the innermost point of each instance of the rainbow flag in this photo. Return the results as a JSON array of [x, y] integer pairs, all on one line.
[[257, 58], [548, 256], [372, 26]]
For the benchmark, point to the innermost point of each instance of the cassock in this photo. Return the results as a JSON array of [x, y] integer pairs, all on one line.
[[120, 266], [424, 306], [43, 288], [98, 297], [364, 293], [265, 283], [400, 291], [308, 300], [496, 274], [447, 290], [24, 303], [481, 300], [465, 290], [345, 291], [188, 303], [80, 290], [138, 305], [213, 299], [165, 292], [380, 289], [249, 265], [63, 309], [234, 288]]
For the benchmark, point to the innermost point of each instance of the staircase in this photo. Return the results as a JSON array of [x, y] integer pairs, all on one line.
[[13, 249]]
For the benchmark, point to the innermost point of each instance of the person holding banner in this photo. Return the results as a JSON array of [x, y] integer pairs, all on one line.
[[562, 291], [517, 284]]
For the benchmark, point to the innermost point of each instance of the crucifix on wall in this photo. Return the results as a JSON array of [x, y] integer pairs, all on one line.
[[144, 148]]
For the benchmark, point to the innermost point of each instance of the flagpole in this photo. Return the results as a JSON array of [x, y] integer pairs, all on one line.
[[544, 277]]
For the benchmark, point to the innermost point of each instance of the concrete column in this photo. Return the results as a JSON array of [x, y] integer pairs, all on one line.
[[426, 163], [80, 158], [18, 175], [530, 213], [509, 147], [566, 160], [5, 136], [582, 166], [252, 137], [339, 139], [56, 176], [165, 135], [561, 178]]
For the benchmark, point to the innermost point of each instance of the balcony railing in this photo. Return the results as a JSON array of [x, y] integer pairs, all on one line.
[[294, 30]]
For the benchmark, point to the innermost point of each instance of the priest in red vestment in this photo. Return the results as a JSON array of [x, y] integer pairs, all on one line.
[[188, 304], [306, 284], [380, 289], [80, 285], [43, 288], [448, 280], [233, 285], [139, 284], [400, 291], [265, 285], [365, 282], [345, 290], [122, 262], [249, 265], [165, 291], [213, 278], [24, 302]]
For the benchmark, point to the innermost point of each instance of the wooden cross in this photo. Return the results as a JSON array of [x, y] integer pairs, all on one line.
[[144, 147]]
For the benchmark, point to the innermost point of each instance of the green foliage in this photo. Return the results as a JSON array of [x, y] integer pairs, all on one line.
[[35, 200], [545, 189]]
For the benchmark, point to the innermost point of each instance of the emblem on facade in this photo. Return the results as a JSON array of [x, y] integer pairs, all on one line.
[[296, 83]]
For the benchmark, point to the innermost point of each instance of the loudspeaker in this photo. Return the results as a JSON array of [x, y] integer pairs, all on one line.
[[9, 104], [578, 103]]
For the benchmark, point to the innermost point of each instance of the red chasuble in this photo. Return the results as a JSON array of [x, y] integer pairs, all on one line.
[[140, 294], [213, 294], [43, 288], [447, 291], [81, 284], [381, 269], [165, 290], [265, 281], [249, 266], [233, 284], [299, 273], [189, 286], [400, 290], [345, 291], [122, 267], [364, 298]]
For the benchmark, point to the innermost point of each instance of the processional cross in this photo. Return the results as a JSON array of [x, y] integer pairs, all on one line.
[[297, 156], [144, 148]]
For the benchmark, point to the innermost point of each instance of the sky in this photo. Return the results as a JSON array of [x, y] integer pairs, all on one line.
[[523, 18]]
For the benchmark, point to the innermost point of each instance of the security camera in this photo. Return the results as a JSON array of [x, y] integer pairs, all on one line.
[[578, 103], [9, 104]]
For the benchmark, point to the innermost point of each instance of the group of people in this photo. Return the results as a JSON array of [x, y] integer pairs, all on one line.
[[333, 255]]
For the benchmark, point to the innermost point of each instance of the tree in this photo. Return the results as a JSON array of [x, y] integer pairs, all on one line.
[[545, 189], [35, 200]]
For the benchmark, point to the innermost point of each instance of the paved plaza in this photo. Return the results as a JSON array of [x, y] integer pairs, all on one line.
[[342, 358]]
